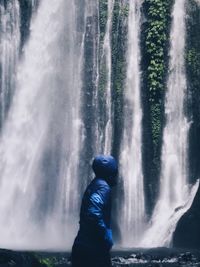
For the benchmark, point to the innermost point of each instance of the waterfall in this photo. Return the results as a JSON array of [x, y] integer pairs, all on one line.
[[40, 141], [34, 5], [89, 92], [176, 196], [93, 25], [133, 212], [9, 51], [56, 113], [106, 66]]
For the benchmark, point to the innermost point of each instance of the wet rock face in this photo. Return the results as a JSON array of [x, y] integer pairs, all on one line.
[[187, 233]]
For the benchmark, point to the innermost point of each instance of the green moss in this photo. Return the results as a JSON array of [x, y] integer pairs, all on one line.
[[125, 10], [103, 15], [156, 124], [192, 57], [49, 262], [156, 41], [193, 60], [156, 38]]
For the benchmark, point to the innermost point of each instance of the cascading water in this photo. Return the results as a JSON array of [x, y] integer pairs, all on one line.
[[132, 219], [106, 64], [39, 145], [34, 5], [9, 51], [176, 196], [42, 138], [89, 92]]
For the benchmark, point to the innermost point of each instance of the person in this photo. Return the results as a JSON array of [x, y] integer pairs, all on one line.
[[94, 241]]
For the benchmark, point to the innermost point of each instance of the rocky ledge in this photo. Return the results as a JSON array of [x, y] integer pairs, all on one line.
[[160, 257], [10, 258]]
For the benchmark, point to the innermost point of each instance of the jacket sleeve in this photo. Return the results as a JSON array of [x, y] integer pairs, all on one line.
[[98, 201]]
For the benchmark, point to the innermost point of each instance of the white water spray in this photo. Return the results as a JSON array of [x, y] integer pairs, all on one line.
[[176, 196], [107, 58], [133, 211], [33, 3], [9, 52], [92, 77], [198, 1], [39, 146]]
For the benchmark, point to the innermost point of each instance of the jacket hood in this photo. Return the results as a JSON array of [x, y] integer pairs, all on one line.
[[105, 167]]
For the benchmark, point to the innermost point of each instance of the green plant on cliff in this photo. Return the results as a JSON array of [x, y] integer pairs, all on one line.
[[192, 57], [193, 61], [103, 15], [49, 262], [156, 36]]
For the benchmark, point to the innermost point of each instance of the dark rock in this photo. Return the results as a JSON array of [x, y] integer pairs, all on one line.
[[187, 233], [158, 257], [133, 256], [118, 260], [139, 256], [185, 257], [10, 258]]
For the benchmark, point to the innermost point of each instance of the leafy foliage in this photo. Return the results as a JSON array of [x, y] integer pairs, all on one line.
[[192, 57], [156, 42], [103, 15]]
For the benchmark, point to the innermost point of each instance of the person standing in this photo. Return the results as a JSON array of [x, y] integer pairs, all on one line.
[[94, 241]]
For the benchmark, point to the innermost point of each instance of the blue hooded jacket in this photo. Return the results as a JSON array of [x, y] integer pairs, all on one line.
[[95, 216]]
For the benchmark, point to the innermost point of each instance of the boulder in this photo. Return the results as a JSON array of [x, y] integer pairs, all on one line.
[[10, 258], [187, 233]]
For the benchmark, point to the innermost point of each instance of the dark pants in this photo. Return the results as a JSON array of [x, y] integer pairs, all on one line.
[[82, 257]]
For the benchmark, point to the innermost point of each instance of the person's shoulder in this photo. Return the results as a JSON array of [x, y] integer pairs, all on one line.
[[101, 188], [102, 184]]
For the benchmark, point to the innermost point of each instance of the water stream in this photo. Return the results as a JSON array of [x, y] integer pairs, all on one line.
[[9, 51], [52, 124], [39, 145], [176, 195], [132, 217], [106, 64]]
